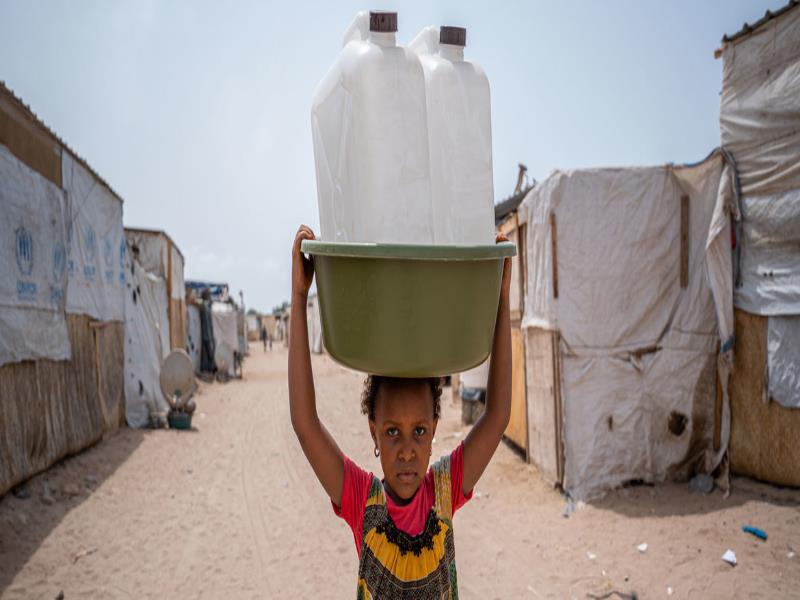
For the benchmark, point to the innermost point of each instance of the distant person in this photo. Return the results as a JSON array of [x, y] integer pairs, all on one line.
[[269, 340], [402, 523], [207, 344], [263, 337]]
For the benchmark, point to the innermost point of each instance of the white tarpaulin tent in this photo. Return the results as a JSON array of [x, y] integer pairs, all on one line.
[[155, 318], [314, 324], [632, 268], [32, 265], [61, 300]]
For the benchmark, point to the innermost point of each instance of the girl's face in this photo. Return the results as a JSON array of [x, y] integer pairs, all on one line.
[[403, 431]]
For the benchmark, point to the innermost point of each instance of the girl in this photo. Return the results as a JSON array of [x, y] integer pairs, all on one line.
[[402, 524]]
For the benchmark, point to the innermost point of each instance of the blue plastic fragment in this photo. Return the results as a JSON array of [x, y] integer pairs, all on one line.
[[759, 533]]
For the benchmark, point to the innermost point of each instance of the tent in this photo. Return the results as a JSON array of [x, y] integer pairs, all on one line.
[[158, 254], [225, 317], [61, 298], [155, 319], [314, 324], [507, 221], [628, 300], [193, 335], [253, 322], [228, 322], [760, 128]]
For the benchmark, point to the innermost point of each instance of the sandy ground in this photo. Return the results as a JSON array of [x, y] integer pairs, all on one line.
[[232, 510]]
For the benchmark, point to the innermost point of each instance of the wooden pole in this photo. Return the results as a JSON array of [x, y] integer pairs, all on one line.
[[170, 309], [684, 242], [554, 252], [718, 408]]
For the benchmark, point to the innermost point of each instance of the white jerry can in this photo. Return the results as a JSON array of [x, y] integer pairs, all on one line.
[[460, 138], [369, 122]]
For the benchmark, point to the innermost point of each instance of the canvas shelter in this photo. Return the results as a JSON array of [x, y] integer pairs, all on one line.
[[226, 335], [241, 330], [271, 324], [508, 222], [193, 335], [253, 322], [228, 322], [760, 128], [61, 298], [627, 321], [314, 320], [155, 319]]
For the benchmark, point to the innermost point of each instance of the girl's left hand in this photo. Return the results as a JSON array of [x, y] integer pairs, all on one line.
[[505, 284]]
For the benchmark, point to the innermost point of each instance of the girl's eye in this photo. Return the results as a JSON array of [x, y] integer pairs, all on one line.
[[392, 432], [419, 431]]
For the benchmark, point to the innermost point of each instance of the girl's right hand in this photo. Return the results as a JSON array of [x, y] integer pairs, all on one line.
[[302, 267]]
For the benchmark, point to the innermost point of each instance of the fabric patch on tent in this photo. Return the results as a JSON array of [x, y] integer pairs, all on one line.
[[95, 245], [146, 344], [759, 117], [770, 265], [33, 277], [783, 360], [193, 335], [226, 337]]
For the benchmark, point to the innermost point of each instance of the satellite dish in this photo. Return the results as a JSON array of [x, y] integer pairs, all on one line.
[[177, 376]]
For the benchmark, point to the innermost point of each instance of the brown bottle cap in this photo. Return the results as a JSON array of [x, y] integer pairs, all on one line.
[[381, 20], [455, 36]]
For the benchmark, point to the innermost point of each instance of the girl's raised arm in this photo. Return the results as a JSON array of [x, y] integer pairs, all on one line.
[[482, 441], [318, 445]]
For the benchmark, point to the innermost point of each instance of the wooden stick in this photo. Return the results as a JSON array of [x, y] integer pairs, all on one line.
[[559, 408], [170, 309], [718, 408], [554, 252], [684, 242]]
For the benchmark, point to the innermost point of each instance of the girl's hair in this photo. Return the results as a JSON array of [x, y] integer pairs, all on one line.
[[372, 384]]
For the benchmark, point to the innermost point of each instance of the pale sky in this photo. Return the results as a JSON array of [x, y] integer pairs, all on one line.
[[197, 113]]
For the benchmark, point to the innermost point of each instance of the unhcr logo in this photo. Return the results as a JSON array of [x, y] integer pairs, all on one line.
[[90, 244], [108, 252], [26, 290], [24, 251], [122, 254], [59, 262], [108, 258]]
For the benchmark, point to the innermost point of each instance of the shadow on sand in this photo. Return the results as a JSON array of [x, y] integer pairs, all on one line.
[[26, 522], [675, 499]]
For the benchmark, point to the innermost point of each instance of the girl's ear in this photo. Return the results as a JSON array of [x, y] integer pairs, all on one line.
[[373, 432]]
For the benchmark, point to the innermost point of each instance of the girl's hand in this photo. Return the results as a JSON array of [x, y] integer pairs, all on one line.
[[505, 284], [302, 267]]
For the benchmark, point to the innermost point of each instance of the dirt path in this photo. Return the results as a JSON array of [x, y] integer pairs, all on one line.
[[232, 510]]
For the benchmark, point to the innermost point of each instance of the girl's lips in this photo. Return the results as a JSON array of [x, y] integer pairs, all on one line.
[[407, 476]]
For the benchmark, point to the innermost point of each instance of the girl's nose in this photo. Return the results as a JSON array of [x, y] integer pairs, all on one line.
[[406, 452]]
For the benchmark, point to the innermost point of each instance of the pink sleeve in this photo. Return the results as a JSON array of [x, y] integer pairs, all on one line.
[[355, 487], [456, 478]]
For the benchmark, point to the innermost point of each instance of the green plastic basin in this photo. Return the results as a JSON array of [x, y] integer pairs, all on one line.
[[408, 310]]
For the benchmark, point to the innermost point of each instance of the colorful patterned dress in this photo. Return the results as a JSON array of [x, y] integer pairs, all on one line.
[[394, 565]]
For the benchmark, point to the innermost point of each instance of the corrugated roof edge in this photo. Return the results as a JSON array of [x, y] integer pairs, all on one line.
[[508, 205], [158, 231], [749, 28], [35, 118]]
